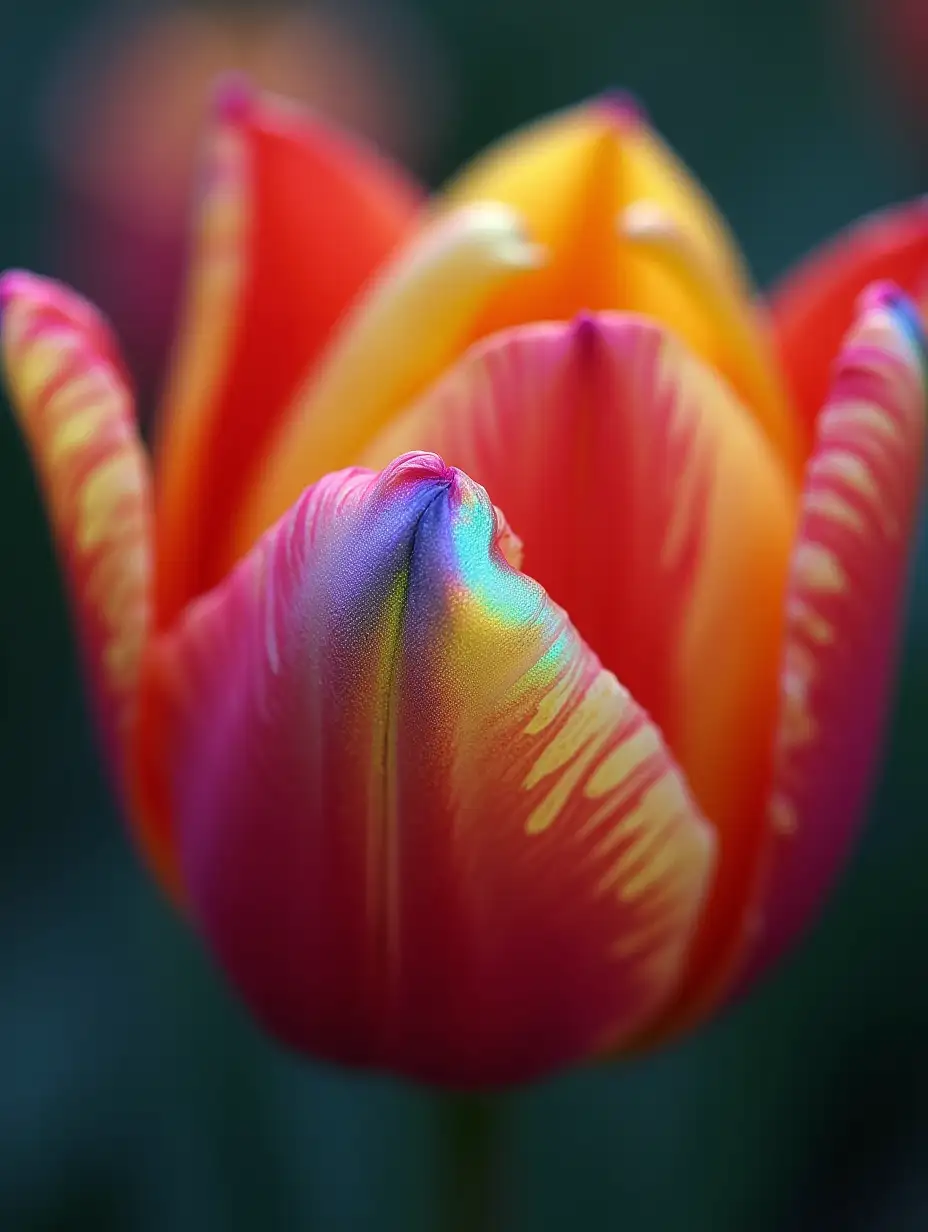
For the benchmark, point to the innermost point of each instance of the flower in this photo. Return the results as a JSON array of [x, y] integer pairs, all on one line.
[[463, 789]]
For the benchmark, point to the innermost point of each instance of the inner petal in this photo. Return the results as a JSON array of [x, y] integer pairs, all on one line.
[[652, 508]]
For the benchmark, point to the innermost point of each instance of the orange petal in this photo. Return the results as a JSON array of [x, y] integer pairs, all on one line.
[[295, 218], [845, 602], [421, 827], [813, 307], [78, 418], [574, 177], [652, 507]]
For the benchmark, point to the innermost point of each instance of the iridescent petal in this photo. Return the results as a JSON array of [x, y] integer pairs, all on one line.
[[295, 217], [847, 585], [813, 307], [652, 507], [78, 418], [421, 827]]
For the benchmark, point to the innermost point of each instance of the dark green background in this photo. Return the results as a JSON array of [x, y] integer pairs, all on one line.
[[134, 1094]]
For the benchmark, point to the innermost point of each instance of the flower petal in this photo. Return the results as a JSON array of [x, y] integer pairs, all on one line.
[[576, 178], [847, 585], [78, 418], [421, 827], [402, 334], [295, 218], [813, 307], [651, 506]]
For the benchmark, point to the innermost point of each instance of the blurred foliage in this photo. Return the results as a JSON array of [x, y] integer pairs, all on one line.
[[135, 1096]]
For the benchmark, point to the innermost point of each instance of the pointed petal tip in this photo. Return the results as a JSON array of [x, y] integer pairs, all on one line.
[[887, 296], [587, 329], [13, 283], [622, 108], [233, 98]]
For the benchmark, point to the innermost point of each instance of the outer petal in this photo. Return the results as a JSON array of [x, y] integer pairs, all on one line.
[[409, 327], [295, 218], [78, 417], [575, 177], [653, 508], [847, 584], [813, 308], [421, 826]]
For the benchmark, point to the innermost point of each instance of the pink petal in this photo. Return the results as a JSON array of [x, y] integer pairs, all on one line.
[[78, 418], [847, 586], [420, 826]]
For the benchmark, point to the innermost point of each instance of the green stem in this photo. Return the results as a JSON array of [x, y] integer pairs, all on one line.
[[469, 1146]]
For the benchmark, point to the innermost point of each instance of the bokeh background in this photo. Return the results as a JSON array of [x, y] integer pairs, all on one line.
[[134, 1095]]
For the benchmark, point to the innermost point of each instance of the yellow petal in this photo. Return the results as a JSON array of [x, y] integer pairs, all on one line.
[[574, 177], [411, 325]]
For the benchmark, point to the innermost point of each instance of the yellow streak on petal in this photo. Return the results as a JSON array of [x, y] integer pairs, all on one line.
[[645, 829], [850, 417], [106, 486], [656, 868], [830, 505], [76, 433], [622, 761], [783, 816], [850, 469], [817, 568], [38, 366], [552, 703], [810, 622]]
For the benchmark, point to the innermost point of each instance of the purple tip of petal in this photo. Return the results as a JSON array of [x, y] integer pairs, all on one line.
[[233, 98], [11, 282], [887, 295], [623, 108], [878, 295], [587, 330]]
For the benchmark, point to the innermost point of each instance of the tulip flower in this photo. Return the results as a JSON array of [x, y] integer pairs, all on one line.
[[493, 658]]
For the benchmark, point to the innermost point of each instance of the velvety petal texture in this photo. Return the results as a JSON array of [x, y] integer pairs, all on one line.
[[847, 584], [814, 306], [420, 825], [78, 418], [295, 217], [653, 508]]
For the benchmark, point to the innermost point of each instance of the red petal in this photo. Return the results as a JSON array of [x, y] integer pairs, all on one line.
[[295, 218]]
